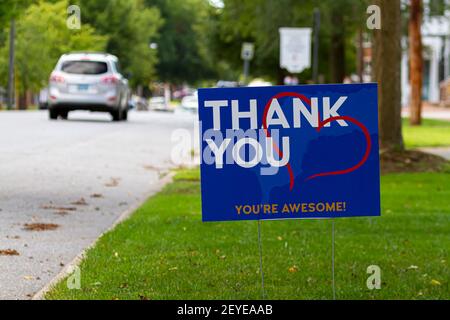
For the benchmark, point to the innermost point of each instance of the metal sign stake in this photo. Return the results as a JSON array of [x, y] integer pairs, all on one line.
[[332, 259], [261, 260]]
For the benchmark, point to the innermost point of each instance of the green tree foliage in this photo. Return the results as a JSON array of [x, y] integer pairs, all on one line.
[[255, 21], [10, 9], [183, 46], [341, 21], [130, 26], [42, 37], [258, 21]]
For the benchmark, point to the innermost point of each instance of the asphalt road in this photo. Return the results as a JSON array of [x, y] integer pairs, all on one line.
[[79, 175]]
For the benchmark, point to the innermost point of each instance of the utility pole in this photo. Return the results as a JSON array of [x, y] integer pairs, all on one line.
[[12, 35], [316, 45], [247, 52], [246, 70]]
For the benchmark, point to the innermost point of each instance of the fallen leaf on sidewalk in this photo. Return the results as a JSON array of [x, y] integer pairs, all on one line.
[[9, 252], [62, 212], [113, 182], [13, 237], [28, 277], [96, 195], [40, 226], [80, 202], [52, 207]]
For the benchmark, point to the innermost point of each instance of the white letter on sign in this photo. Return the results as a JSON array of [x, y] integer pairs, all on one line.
[[332, 112], [252, 115], [300, 108], [218, 151], [252, 162], [280, 119], [286, 153], [216, 105]]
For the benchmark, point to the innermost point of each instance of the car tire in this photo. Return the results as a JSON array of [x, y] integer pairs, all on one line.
[[117, 115], [52, 114], [64, 115], [125, 115]]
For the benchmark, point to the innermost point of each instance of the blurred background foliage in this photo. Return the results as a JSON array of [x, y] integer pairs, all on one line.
[[194, 41]]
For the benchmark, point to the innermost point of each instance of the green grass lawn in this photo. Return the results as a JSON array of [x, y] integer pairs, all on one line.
[[164, 251], [432, 133]]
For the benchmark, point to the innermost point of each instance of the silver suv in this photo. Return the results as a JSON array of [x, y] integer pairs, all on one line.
[[88, 81]]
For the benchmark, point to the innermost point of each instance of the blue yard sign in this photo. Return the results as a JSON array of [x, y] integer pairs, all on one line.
[[289, 152]]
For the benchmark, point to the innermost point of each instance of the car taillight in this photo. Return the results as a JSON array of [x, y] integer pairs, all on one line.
[[110, 80], [57, 78]]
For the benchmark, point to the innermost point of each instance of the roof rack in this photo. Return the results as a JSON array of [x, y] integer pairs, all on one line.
[[93, 52]]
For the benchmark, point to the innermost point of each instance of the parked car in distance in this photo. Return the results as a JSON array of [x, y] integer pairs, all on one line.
[[138, 103], [190, 102], [183, 92], [259, 83], [158, 104], [88, 81], [227, 84]]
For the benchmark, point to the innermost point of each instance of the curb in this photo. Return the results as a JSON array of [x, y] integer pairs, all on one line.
[[68, 269]]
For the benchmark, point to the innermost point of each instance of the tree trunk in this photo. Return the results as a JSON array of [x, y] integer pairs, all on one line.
[[22, 103], [360, 55], [415, 61], [387, 63], [337, 48]]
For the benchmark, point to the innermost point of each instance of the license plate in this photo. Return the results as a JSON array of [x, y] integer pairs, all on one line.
[[83, 87]]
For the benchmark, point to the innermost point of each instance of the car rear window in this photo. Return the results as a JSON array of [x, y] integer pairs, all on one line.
[[84, 67]]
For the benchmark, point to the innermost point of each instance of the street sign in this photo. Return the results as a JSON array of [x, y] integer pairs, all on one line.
[[248, 51], [289, 152], [295, 49]]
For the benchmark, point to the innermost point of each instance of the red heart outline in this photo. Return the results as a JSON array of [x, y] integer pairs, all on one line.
[[319, 128]]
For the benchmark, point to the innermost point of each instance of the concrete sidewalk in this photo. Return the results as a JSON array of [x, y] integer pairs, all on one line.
[[435, 113], [431, 112], [443, 152]]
